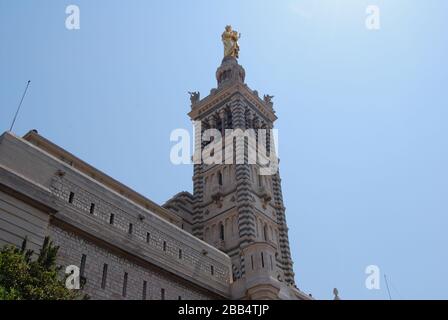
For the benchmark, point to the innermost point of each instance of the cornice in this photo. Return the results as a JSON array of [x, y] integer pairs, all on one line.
[[221, 95]]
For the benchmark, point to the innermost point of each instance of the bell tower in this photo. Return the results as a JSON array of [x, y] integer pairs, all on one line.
[[235, 207]]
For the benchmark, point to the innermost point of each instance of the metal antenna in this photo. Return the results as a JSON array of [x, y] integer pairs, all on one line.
[[387, 286], [20, 104]]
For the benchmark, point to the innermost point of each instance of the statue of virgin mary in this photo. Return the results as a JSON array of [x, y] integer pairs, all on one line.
[[230, 40]]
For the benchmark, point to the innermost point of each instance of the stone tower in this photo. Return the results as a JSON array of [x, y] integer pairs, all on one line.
[[233, 206]]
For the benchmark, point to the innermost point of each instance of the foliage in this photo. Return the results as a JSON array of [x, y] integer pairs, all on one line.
[[23, 277]]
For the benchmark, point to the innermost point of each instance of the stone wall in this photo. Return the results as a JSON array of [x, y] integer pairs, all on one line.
[[18, 219], [72, 249]]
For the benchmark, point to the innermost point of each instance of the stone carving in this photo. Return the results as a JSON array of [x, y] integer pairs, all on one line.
[[194, 96], [230, 40], [265, 195], [267, 98]]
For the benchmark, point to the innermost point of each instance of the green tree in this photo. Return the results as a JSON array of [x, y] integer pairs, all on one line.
[[25, 278]]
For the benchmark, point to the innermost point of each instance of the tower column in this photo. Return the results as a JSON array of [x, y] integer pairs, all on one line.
[[198, 182], [285, 253], [246, 217]]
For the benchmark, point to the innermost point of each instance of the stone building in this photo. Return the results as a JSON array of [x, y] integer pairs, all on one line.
[[227, 240]]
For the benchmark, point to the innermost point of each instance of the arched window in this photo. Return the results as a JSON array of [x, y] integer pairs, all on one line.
[[220, 178], [265, 232], [229, 120], [219, 124], [256, 227]]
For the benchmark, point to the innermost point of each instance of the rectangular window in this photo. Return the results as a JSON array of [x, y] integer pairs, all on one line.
[[148, 237], [212, 270], [145, 285], [104, 279], [262, 260], [125, 284], [83, 265], [252, 261], [111, 219], [162, 294], [164, 245], [179, 298], [92, 208], [130, 228], [221, 232], [180, 253], [71, 197]]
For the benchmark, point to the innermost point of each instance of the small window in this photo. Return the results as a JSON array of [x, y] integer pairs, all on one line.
[[148, 237], [262, 260], [220, 178], [145, 285], [111, 218], [252, 261], [162, 294], [104, 279], [221, 232], [71, 197], [180, 253], [219, 125], [125, 284], [229, 119], [164, 245], [92, 208], [83, 265], [212, 270], [179, 298], [130, 228]]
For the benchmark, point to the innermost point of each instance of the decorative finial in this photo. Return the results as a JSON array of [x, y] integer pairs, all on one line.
[[230, 40], [336, 294]]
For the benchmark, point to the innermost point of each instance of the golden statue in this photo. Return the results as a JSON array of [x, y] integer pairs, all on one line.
[[230, 40]]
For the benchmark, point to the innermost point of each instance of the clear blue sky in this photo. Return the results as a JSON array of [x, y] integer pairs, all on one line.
[[362, 115]]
